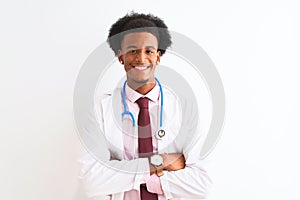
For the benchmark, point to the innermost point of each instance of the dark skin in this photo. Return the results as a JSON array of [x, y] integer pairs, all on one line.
[[140, 56], [172, 162]]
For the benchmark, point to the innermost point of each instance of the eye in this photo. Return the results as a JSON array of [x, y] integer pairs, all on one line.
[[132, 51], [149, 51]]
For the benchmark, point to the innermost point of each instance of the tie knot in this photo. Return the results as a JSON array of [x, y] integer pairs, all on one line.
[[143, 102]]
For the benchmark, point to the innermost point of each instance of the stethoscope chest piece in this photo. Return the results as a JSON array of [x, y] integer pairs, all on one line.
[[160, 134]]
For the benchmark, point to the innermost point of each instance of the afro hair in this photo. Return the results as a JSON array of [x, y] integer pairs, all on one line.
[[135, 22]]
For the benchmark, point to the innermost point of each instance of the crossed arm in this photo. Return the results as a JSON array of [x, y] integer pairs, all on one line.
[[187, 176], [184, 175], [171, 162]]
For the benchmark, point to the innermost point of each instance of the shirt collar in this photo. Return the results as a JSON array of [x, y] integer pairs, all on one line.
[[133, 95]]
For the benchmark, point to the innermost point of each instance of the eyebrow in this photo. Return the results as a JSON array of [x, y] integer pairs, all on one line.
[[135, 47]]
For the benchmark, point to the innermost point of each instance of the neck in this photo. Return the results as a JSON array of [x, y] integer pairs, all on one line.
[[145, 88], [142, 88]]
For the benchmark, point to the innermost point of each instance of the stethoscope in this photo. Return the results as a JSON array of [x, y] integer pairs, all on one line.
[[161, 133]]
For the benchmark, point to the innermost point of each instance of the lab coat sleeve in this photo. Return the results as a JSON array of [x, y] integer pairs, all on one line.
[[104, 178], [192, 181], [101, 176]]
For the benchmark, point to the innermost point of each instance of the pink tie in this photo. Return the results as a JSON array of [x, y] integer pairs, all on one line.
[[145, 141]]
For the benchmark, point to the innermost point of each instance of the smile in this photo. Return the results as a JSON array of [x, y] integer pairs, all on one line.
[[141, 68]]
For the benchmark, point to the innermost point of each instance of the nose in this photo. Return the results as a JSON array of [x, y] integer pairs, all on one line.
[[140, 57]]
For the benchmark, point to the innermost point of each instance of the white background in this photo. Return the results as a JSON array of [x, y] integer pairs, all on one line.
[[254, 44]]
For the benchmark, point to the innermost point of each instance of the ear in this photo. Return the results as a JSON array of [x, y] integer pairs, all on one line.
[[120, 57], [158, 57]]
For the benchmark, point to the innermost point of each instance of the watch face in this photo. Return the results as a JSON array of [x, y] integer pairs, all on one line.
[[156, 160]]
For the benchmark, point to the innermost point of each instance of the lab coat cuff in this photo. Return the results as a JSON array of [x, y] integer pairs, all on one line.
[[165, 185], [143, 169]]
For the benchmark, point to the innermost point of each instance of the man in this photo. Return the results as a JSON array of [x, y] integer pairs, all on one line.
[[147, 162]]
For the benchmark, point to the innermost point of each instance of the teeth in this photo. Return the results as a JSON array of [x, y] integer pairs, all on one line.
[[141, 68]]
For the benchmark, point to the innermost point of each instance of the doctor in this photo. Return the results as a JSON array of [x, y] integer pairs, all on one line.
[[153, 151]]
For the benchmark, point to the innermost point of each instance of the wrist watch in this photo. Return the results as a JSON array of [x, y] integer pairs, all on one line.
[[157, 161]]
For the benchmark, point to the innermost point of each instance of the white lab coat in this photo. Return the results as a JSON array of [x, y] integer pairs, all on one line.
[[102, 178]]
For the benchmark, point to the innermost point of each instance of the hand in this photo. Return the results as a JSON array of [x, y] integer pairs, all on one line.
[[112, 158], [173, 161]]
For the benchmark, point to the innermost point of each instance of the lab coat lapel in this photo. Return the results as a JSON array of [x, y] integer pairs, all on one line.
[[111, 114], [171, 122]]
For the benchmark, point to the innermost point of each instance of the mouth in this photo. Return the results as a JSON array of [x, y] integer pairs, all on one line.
[[141, 68]]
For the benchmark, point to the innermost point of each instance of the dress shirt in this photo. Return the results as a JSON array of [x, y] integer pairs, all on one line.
[[130, 138]]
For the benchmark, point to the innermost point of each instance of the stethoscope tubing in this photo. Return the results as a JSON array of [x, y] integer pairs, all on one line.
[[127, 112]]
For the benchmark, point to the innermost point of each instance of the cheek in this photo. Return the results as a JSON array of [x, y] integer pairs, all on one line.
[[127, 57], [127, 68], [155, 58]]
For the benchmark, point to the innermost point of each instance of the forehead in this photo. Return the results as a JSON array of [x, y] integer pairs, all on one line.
[[139, 40]]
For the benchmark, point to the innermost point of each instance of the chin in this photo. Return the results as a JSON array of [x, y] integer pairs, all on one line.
[[141, 81]]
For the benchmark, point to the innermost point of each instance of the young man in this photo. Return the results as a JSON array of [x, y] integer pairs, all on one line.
[[145, 162]]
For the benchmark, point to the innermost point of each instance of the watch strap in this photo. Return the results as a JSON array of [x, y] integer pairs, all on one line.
[[159, 170]]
